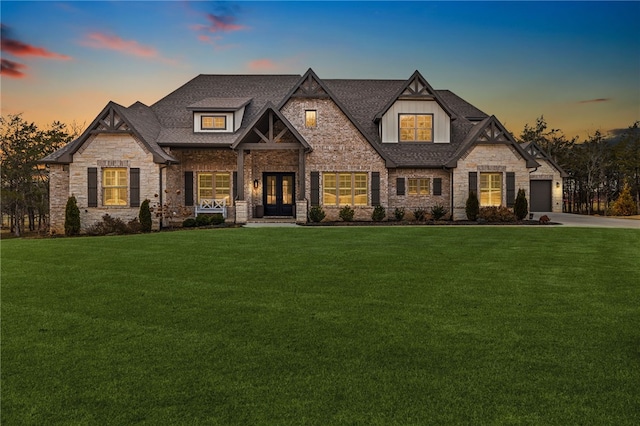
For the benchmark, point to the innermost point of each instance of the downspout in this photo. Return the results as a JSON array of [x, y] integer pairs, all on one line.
[[450, 190], [162, 167]]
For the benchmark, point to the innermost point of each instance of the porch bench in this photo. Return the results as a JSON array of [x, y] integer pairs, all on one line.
[[209, 205]]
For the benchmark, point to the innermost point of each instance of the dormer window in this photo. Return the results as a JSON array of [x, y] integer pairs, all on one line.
[[415, 128], [213, 122]]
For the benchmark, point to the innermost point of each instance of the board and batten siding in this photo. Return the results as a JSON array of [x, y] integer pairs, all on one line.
[[441, 121]]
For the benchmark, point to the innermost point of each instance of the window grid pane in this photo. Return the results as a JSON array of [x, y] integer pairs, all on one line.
[[413, 186], [310, 118], [360, 189], [416, 127], [205, 186], [344, 196], [222, 186], [329, 189], [491, 189], [114, 187]]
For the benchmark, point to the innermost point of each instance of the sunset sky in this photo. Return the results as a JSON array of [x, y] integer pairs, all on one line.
[[576, 63]]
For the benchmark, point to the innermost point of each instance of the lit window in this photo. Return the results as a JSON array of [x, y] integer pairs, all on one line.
[[214, 186], [416, 127], [345, 189], [114, 187], [213, 122], [490, 189], [419, 186], [310, 118]]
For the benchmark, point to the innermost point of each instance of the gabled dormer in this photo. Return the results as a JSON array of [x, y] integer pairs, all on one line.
[[416, 114], [218, 115]]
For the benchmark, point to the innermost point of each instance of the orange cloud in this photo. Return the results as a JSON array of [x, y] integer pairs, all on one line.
[[113, 42], [18, 48], [591, 101], [219, 23], [262, 65], [12, 69]]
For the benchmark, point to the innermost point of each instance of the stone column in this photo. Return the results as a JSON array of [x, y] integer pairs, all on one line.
[[242, 211], [301, 211]]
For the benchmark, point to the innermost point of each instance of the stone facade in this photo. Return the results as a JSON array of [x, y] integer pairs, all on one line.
[[411, 202], [58, 196], [103, 151], [548, 172], [487, 158]]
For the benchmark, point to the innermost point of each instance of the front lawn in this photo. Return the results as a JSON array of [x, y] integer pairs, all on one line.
[[373, 325]]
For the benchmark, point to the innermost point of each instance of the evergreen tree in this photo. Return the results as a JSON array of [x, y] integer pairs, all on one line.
[[624, 205], [144, 216], [473, 206], [72, 217], [521, 206]]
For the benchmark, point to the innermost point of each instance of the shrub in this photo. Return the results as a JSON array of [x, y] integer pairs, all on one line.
[[145, 216], [438, 211], [624, 205], [316, 214], [378, 214], [135, 227], [496, 214], [203, 220], [472, 208], [521, 206], [109, 225], [216, 219], [398, 213], [346, 213], [420, 214], [72, 217], [189, 223]]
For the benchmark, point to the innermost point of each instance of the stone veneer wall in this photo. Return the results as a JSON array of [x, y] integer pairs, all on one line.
[[58, 196], [412, 202], [337, 147], [547, 172], [486, 158], [107, 150]]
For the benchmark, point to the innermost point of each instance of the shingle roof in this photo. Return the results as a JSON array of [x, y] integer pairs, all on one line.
[[220, 104]]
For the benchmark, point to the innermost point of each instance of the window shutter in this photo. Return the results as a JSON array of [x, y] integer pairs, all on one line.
[[400, 188], [375, 188], [511, 189], [315, 188], [134, 187], [437, 186], [235, 186], [188, 188], [473, 182], [92, 190]]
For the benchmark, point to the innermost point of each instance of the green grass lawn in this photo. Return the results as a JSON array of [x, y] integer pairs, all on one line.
[[371, 325]]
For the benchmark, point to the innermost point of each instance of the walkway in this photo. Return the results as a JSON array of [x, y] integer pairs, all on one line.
[[579, 220]]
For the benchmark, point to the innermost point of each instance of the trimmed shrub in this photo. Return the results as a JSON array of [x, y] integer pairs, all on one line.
[[378, 214], [496, 214], [521, 206], [398, 213], [145, 216], [420, 214], [472, 208], [72, 217], [624, 204], [189, 223], [316, 214], [346, 213], [135, 227], [216, 219], [438, 211], [109, 226], [203, 220]]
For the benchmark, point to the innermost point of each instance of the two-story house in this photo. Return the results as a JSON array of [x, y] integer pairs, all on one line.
[[276, 145]]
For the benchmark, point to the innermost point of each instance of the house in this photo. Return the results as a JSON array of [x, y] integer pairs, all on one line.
[[276, 145]]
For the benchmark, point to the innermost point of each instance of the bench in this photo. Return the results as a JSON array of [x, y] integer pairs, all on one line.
[[209, 205]]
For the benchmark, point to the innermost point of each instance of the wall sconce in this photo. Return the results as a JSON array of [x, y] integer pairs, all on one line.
[[256, 183], [557, 184]]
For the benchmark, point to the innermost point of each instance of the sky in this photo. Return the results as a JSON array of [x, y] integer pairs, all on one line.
[[575, 63]]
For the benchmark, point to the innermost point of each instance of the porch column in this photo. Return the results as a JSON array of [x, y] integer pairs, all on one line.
[[240, 189], [302, 169]]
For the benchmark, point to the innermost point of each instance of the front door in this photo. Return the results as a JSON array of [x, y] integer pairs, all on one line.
[[278, 194]]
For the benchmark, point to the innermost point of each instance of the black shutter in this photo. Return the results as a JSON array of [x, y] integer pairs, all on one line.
[[235, 186], [315, 188], [437, 186], [511, 189], [134, 187], [188, 188], [400, 189], [92, 190], [473, 182], [375, 188]]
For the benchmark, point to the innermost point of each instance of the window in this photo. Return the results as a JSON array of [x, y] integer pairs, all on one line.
[[213, 122], [214, 185], [416, 127], [490, 189], [114, 187], [345, 188], [419, 186], [310, 118]]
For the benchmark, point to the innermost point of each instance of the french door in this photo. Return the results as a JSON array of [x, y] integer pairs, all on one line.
[[278, 193]]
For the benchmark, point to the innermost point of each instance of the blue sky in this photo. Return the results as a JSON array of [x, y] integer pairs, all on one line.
[[576, 63]]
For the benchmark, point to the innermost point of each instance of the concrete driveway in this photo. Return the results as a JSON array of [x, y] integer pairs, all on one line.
[[569, 219]]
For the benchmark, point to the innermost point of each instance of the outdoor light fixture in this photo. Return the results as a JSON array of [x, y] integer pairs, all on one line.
[[557, 184], [256, 182]]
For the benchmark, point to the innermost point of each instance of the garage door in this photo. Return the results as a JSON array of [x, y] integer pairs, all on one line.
[[540, 191]]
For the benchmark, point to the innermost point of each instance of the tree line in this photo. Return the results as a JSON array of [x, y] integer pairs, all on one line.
[[598, 167]]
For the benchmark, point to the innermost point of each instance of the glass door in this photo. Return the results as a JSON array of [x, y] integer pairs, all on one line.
[[278, 194]]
